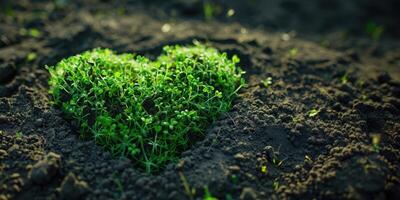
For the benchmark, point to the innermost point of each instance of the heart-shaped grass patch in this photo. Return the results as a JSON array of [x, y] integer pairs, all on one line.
[[147, 110]]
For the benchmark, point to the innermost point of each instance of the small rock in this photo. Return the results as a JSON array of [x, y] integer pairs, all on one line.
[[234, 168], [43, 171], [239, 156], [248, 194], [72, 188]]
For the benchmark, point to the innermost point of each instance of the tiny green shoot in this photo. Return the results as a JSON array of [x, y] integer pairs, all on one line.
[[313, 112], [208, 10], [345, 78], [267, 82], [208, 195], [374, 30], [293, 52], [18, 134], [31, 56]]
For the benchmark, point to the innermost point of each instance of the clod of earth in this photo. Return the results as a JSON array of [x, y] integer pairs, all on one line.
[[73, 188], [147, 110], [43, 171]]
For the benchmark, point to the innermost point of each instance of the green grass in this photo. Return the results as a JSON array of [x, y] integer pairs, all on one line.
[[146, 110]]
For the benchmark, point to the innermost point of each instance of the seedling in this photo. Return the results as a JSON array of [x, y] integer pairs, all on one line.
[[208, 9], [33, 32], [264, 169], [376, 139], [267, 82], [18, 134], [293, 52], [207, 195], [313, 112], [190, 192], [345, 78], [275, 185], [141, 109], [374, 30], [31, 56], [230, 13]]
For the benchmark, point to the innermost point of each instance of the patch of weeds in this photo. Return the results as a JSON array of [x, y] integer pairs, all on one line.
[[267, 82], [208, 195], [374, 30], [313, 112], [141, 109]]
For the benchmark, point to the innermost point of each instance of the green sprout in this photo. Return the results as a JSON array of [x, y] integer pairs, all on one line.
[[345, 78], [208, 9], [376, 139], [267, 82], [33, 32], [18, 134], [31, 56], [142, 109], [374, 30], [313, 112], [293, 52], [208, 195]]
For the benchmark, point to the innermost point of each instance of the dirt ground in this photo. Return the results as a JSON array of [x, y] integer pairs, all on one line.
[[324, 126]]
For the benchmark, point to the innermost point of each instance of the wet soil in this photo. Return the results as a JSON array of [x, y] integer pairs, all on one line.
[[326, 125]]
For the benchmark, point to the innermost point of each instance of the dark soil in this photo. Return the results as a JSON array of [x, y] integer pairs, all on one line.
[[307, 135]]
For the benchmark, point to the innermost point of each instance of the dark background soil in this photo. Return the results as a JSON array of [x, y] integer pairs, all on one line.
[[317, 54]]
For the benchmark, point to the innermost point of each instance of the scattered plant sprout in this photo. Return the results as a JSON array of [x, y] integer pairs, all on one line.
[[33, 32], [31, 56], [345, 78], [208, 9], [293, 52], [264, 169], [189, 191], [234, 178], [267, 82], [228, 197], [307, 157], [374, 30], [142, 109], [313, 112], [208, 195], [275, 185], [376, 139], [230, 13], [18, 134]]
